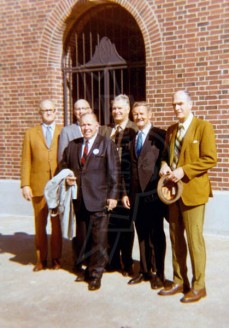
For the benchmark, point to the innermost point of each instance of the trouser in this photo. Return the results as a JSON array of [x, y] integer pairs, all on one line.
[[91, 240], [190, 220], [120, 238], [41, 238], [149, 222]]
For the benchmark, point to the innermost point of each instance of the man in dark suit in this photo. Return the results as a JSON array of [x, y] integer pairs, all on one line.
[[95, 163], [69, 133], [147, 210], [72, 131], [121, 228], [192, 150]]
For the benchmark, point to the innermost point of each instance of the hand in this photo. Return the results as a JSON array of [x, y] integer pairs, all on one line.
[[27, 193], [126, 202], [176, 175], [165, 169], [111, 204], [70, 180]]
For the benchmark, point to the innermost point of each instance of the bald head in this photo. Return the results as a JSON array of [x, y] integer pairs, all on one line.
[[89, 125], [47, 111], [81, 107], [47, 104], [183, 93], [182, 105]]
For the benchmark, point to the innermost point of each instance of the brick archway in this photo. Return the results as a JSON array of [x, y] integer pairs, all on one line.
[[51, 46]]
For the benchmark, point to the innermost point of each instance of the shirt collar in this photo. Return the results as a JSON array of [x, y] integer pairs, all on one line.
[[91, 140], [146, 129], [52, 125], [123, 125], [188, 122]]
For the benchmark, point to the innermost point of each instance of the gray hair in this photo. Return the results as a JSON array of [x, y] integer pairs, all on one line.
[[122, 97], [141, 103], [186, 93]]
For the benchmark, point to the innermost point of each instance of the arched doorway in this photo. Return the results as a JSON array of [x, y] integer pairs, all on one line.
[[104, 55]]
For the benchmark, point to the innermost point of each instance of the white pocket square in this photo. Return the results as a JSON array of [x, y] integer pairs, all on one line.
[[195, 141]]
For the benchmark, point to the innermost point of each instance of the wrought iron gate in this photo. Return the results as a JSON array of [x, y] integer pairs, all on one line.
[[94, 70]]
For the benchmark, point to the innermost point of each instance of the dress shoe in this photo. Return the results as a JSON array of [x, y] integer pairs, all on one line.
[[94, 284], [157, 282], [113, 268], [80, 275], [171, 290], [40, 266], [128, 272], [56, 264], [139, 278], [194, 295]]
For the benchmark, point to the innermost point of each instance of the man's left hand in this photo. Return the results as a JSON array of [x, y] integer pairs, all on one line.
[[176, 175], [111, 204]]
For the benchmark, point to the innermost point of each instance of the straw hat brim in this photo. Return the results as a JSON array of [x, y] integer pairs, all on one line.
[[169, 191]]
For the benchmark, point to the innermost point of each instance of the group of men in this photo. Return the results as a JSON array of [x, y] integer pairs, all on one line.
[[116, 169]]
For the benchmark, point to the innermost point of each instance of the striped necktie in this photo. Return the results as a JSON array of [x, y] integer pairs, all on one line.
[[48, 136], [178, 144], [85, 153], [139, 143]]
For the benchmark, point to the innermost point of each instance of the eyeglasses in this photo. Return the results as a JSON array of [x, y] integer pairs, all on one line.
[[43, 111], [81, 108]]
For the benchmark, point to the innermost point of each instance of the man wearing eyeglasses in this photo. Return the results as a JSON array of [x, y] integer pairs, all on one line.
[[38, 166], [72, 131]]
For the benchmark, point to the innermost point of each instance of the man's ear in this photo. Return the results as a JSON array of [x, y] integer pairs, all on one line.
[[151, 115]]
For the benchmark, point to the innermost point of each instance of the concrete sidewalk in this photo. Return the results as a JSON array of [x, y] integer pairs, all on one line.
[[49, 299]]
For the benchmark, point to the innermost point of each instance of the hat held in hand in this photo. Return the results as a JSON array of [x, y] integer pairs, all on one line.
[[169, 191]]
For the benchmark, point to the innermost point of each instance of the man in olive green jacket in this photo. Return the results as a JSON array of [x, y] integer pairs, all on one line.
[[38, 166], [196, 156]]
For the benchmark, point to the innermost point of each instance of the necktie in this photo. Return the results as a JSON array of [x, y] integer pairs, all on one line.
[[48, 136], [139, 143], [85, 153], [117, 136], [178, 144]]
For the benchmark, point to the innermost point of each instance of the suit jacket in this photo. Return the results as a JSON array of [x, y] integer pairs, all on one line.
[[68, 133], [198, 155], [145, 168], [124, 149], [38, 162], [99, 178]]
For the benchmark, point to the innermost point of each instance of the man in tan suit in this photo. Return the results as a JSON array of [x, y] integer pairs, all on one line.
[[38, 166], [192, 153]]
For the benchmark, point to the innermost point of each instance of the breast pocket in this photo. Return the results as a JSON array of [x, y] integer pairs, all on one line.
[[98, 162]]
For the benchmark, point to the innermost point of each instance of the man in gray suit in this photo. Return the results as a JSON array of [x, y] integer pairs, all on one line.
[[72, 131]]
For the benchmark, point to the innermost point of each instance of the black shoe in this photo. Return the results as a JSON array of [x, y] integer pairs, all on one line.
[[80, 275], [128, 272], [94, 284], [157, 283], [139, 278], [113, 268]]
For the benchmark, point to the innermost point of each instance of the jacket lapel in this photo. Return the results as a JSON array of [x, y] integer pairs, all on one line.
[[172, 143], [94, 146], [41, 135], [147, 142], [188, 136], [80, 148]]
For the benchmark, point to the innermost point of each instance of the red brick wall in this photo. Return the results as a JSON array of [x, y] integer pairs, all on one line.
[[187, 46]]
